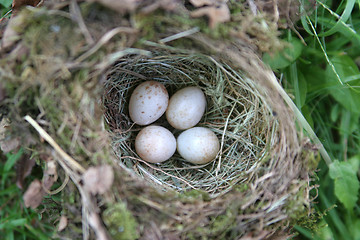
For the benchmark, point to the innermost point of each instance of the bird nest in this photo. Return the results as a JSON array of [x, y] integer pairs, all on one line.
[[236, 112], [76, 83]]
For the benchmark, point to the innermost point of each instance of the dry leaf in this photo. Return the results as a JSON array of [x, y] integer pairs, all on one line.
[[200, 3], [21, 3], [11, 35], [216, 14], [17, 4], [121, 6], [34, 194], [98, 179], [7, 145], [63, 222], [23, 169], [167, 5]]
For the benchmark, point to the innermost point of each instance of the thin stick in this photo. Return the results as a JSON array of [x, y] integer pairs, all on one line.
[[76, 14], [180, 35], [69, 160], [107, 37], [74, 169]]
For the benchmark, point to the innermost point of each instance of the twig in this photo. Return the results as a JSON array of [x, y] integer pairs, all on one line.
[[73, 169], [68, 160], [180, 35], [107, 37], [76, 15]]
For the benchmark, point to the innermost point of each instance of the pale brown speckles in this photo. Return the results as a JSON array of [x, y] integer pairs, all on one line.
[[155, 144], [145, 101]]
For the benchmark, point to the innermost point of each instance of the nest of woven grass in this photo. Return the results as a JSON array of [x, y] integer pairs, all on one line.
[[236, 112], [257, 187]]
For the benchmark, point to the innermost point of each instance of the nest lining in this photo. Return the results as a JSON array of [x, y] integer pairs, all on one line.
[[235, 112]]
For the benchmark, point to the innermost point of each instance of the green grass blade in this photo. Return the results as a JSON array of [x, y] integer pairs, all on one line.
[[38, 233], [306, 233], [300, 118], [323, 50], [341, 19], [13, 223], [10, 162], [336, 220], [12, 158]]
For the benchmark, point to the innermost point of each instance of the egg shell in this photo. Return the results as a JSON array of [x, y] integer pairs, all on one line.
[[186, 108], [155, 144], [148, 102], [198, 145]]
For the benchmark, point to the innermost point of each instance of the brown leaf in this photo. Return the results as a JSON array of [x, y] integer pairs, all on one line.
[[7, 144], [200, 3], [23, 169], [63, 222], [11, 34], [167, 5], [17, 4], [98, 179], [34, 194], [121, 6], [216, 14]]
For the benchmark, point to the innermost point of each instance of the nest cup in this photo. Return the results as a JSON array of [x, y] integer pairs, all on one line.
[[236, 112]]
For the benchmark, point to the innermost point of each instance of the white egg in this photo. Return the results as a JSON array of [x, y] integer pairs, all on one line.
[[155, 144], [198, 145], [186, 107], [148, 102]]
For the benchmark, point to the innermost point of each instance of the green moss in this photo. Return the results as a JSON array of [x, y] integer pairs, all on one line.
[[313, 159], [151, 25], [120, 222], [196, 195], [241, 187], [220, 227]]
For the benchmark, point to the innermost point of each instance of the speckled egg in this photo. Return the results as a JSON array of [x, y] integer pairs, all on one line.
[[198, 145], [186, 107], [148, 102], [155, 144]]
